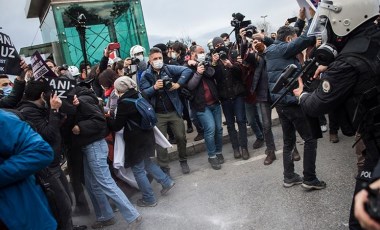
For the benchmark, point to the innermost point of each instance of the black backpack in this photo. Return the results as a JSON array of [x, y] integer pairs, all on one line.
[[148, 115]]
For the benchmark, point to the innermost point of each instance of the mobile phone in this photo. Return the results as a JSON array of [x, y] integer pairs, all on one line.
[[113, 46]]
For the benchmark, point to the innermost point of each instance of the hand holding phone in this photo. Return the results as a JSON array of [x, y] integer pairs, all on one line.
[[113, 46]]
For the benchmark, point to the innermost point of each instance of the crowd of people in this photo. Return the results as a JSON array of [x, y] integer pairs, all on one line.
[[100, 121]]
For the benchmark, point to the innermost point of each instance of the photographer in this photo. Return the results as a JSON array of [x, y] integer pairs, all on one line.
[[351, 81], [231, 92], [160, 83], [282, 53], [206, 104], [259, 86]]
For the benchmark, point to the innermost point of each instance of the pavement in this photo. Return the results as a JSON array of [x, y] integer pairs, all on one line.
[[247, 195], [195, 147]]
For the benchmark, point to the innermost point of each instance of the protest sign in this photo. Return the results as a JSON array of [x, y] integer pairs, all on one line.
[[60, 86], [9, 58], [40, 68], [307, 4]]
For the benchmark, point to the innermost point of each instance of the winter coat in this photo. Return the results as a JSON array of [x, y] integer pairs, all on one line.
[[195, 84], [179, 74], [22, 153], [139, 143], [278, 56], [89, 118], [46, 123], [229, 81], [260, 80]]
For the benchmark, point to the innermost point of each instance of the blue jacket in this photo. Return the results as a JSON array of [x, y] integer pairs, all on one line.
[[23, 152], [180, 75], [278, 56]]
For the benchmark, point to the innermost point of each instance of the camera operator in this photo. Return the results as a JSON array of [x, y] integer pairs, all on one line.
[[231, 92], [138, 52], [351, 81], [206, 104], [226, 39], [282, 53], [259, 86], [160, 83]]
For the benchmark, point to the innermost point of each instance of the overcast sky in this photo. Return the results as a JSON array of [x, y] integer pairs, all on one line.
[[163, 18]]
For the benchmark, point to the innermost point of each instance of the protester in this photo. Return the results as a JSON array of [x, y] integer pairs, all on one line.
[[279, 55], [41, 109], [139, 143], [11, 100], [22, 153], [89, 131]]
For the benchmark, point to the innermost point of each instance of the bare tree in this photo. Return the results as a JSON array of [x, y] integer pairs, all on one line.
[[266, 26], [186, 40]]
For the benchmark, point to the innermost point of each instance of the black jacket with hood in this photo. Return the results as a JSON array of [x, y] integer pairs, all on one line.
[[89, 118]]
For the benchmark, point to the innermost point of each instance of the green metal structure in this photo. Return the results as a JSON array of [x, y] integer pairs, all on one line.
[[106, 21]]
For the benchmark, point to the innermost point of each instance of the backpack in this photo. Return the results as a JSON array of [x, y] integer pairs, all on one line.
[[149, 119]]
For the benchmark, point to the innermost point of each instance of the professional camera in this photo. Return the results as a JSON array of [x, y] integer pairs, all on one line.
[[63, 67], [135, 61], [205, 63], [167, 82], [250, 30], [223, 55]]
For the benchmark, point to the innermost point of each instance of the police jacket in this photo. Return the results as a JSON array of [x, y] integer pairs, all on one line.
[[179, 74], [278, 56], [196, 86], [22, 153], [350, 81], [229, 81], [89, 117], [46, 123]]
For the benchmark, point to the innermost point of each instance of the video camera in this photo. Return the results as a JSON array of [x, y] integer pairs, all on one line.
[[135, 61], [238, 22], [250, 30]]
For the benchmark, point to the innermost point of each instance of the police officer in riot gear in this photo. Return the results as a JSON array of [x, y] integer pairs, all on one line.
[[351, 81]]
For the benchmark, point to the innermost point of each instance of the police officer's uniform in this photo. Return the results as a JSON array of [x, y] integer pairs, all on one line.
[[353, 81]]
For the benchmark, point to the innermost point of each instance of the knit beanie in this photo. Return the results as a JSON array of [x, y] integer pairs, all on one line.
[[123, 84], [217, 40]]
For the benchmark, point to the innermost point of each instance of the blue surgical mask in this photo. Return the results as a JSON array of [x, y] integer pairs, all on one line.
[[7, 90]]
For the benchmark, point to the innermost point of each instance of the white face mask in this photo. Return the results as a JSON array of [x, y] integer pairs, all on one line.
[[249, 40], [140, 57], [174, 55], [157, 64], [201, 57]]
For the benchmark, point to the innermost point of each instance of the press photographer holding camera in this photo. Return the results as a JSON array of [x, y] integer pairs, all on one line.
[[206, 104], [160, 83], [253, 55], [231, 92]]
